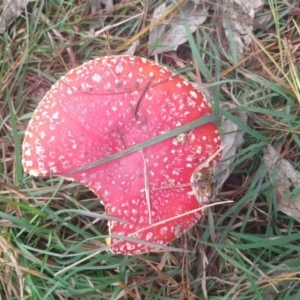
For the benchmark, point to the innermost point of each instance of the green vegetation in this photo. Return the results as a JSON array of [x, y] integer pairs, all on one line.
[[246, 249]]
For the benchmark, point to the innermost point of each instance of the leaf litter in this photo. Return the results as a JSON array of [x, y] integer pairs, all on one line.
[[164, 38], [11, 9], [286, 181], [238, 22], [238, 18], [101, 9], [232, 139]]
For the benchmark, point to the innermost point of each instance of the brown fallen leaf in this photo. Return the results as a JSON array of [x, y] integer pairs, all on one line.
[[232, 139], [101, 9], [11, 9], [169, 34], [286, 180], [237, 20]]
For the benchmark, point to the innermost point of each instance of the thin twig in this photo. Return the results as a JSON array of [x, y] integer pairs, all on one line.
[[147, 193]]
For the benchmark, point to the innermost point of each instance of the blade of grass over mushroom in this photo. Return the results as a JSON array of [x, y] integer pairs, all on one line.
[[89, 214], [165, 136]]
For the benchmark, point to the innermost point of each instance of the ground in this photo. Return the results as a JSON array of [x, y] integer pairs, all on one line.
[[52, 241]]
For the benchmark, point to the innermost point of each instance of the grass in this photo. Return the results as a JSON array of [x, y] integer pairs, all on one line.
[[246, 249]]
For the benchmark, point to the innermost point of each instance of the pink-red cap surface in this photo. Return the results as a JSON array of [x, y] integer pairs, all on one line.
[[113, 103]]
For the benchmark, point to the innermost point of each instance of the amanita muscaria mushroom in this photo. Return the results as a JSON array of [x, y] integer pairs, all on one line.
[[113, 103]]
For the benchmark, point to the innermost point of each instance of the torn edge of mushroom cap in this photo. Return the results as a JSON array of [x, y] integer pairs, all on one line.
[[203, 173]]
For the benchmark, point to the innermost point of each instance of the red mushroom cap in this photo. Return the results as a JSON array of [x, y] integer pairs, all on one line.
[[113, 103]]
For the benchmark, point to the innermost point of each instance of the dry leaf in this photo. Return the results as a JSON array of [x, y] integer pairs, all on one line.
[[103, 9], [10, 11], [232, 139], [286, 180], [131, 50], [237, 20], [163, 38]]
